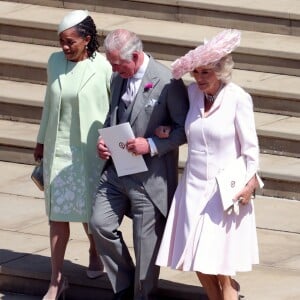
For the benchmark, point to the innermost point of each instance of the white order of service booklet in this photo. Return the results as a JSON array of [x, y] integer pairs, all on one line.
[[115, 138], [231, 180]]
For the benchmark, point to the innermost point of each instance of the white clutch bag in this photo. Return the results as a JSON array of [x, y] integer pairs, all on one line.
[[231, 180]]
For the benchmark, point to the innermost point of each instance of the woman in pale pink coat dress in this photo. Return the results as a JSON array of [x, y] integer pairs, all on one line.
[[200, 236]]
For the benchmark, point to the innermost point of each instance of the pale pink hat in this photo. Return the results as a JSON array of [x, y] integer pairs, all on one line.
[[210, 52]]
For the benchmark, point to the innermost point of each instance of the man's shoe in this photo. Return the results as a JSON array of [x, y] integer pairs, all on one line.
[[126, 294], [94, 274]]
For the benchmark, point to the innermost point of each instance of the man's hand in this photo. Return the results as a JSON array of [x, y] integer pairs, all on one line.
[[138, 146], [103, 151]]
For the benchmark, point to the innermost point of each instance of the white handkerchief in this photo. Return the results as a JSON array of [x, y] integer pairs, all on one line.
[[151, 102]]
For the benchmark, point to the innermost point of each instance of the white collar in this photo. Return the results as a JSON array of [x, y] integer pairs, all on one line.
[[142, 69]]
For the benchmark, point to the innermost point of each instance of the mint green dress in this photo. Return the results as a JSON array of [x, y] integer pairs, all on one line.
[[75, 108], [68, 190]]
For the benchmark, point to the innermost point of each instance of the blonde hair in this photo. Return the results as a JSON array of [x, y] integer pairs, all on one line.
[[223, 68]]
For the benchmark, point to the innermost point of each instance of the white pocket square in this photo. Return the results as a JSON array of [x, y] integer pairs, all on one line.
[[151, 103]]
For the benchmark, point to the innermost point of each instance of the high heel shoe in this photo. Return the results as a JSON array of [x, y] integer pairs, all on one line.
[[91, 274], [238, 288], [63, 286], [62, 289]]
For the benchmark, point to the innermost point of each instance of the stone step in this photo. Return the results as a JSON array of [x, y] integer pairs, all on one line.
[[27, 62], [281, 16], [281, 174], [164, 39], [27, 269], [21, 101], [278, 134], [25, 256], [15, 296]]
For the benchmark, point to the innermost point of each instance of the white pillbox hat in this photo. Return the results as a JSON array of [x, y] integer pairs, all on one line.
[[71, 19]]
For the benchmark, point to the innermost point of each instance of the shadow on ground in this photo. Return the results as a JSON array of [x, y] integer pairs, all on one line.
[[29, 274]]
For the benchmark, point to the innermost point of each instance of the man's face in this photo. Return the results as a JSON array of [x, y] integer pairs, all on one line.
[[126, 68]]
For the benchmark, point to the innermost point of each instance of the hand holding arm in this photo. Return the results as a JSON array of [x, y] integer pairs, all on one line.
[[162, 132]]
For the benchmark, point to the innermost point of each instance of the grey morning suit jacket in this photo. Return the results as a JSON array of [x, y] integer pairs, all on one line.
[[164, 104]]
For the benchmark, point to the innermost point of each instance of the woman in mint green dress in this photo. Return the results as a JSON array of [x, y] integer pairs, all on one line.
[[75, 107]]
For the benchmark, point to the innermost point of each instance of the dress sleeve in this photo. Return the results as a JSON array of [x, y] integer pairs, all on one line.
[[245, 126], [46, 107]]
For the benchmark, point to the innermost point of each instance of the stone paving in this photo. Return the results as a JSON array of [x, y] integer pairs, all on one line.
[[24, 247]]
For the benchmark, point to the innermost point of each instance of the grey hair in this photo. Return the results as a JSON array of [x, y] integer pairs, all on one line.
[[223, 68], [124, 41]]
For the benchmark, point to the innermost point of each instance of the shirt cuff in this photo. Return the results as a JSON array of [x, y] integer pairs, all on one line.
[[153, 149]]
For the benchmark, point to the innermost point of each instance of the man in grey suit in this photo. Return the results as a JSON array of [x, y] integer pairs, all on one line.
[[144, 94]]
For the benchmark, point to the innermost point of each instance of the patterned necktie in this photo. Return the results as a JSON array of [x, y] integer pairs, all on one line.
[[130, 92]]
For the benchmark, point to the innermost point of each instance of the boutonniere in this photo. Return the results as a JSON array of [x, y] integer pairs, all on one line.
[[148, 86]]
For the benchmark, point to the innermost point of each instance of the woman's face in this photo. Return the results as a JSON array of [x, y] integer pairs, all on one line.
[[206, 79], [73, 45]]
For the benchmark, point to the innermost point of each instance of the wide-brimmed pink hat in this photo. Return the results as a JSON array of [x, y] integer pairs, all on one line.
[[208, 53]]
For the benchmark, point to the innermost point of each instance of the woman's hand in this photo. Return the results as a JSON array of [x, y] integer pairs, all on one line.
[[162, 132], [38, 152], [246, 194], [103, 151]]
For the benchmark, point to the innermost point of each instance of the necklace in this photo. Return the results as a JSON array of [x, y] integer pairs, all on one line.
[[211, 98], [208, 102]]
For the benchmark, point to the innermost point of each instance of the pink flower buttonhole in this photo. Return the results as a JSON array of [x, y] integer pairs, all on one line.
[[148, 86]]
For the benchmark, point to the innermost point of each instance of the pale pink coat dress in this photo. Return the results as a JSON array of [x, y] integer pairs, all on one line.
[[199, 235]]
